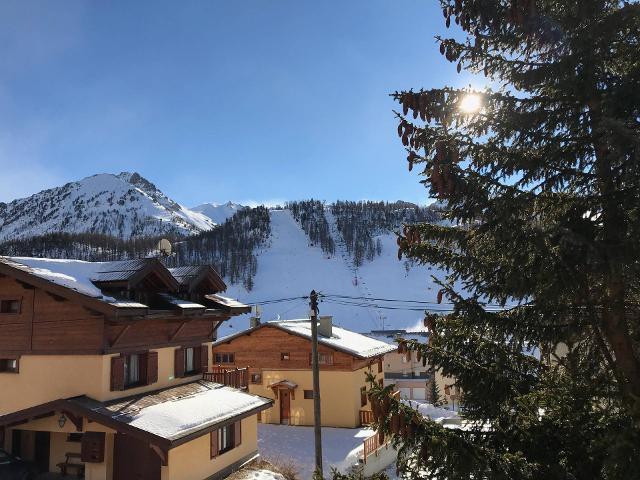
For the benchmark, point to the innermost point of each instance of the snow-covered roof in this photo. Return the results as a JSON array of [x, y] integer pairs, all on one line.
[[72, 274], [341, 338], [227, 302], [284, 383], [179, 411], [180, 303], [86, 278]]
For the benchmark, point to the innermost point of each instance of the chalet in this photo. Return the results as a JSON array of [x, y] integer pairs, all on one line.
[[104, 371], [413, 377], [278, 355]]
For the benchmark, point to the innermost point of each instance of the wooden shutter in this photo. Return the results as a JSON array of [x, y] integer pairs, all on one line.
[[237, 433], [179, 363], [380, 365], [214, 443], [152, 367], [117, 373], [204, 358], [92, 449]]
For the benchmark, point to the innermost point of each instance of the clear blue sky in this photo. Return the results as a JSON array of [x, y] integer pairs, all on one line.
[[255, 100]]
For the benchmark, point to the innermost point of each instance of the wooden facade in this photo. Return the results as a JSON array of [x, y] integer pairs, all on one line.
[[50, 324]]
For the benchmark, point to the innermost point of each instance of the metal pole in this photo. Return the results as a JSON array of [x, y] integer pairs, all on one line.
[[317, 430]]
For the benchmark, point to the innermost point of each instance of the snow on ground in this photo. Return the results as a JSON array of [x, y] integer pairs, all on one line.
[[261, 474], [289, 267], [436, 414], [341, 447]]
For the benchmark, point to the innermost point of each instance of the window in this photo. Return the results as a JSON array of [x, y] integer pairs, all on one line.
[[9, 365], [284, 356], [189, 363], [256, 378], [323, 359], [225, 358], [131, 369], [10, 306], [308, 394], [363, 396], [226, 438], [74, 437]]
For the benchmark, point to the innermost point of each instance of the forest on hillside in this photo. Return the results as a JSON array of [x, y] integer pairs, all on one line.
[[232, 246]]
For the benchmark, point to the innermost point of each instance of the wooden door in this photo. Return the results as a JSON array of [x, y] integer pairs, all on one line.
[[134, 460], [285, 406], [41, 451]]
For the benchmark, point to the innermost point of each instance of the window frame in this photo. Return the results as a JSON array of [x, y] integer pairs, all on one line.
[[9, 300], [194, 368], [363, 396], [285, 356], [252, 379], [220, 357], [4, 365], [307, 394], [230, 438], [127, 370]]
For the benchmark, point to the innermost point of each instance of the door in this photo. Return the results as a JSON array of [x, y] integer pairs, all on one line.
[[134, 460], [16, 443], [41, 451], [285, 406]]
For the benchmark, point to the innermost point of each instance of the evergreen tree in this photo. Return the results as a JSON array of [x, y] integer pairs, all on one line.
[[541, 180]]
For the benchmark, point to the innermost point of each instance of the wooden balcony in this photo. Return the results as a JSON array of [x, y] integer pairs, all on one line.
[[231, 377], [366, 417], [373, 444]]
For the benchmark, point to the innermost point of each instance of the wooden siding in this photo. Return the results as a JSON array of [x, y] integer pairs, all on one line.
[[49, 324], [262, 349]]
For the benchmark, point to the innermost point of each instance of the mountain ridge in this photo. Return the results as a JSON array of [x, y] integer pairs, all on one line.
[[124, 205]]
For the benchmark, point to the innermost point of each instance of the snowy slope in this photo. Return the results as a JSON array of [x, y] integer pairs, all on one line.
[[289, 267], [218, 213], [123, 205]]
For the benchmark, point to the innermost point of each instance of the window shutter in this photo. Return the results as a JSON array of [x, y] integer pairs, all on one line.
[[310, 359], [237, 433], [380, 365], [117, 373], [204, 358], [152, 367], [179, 363], [214, 443], [92, 449]]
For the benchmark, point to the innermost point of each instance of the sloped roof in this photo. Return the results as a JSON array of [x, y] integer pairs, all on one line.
[[341, 339], [179, 411], [190, 276], [87, 279]]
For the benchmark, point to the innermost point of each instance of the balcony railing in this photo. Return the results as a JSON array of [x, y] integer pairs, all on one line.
[[373, 444], [366, 417], [231, 377], [406, 376]]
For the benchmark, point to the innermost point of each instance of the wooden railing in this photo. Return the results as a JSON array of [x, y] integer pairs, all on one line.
[[372, 445], [231, 377], [366, 417]]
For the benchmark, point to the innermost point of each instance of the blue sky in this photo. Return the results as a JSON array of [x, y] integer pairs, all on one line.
[[251, 101]]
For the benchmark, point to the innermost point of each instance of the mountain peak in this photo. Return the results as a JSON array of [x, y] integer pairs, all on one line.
[[123, 205]]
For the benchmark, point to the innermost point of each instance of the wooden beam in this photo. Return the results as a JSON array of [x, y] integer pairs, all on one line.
[[162, 453], [76, 420], [120, 335], [177, 331]]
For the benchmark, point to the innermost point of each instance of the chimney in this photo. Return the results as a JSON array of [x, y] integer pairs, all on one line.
[[254, 322], [325, 326]]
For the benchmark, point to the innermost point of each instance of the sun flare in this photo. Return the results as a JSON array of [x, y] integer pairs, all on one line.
[[471, 103]]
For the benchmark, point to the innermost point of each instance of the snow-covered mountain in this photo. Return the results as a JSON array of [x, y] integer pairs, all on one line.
[[289, 265], [124, 205], [217, 212]]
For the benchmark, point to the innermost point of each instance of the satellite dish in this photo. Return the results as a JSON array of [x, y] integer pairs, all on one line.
[[164, 246]]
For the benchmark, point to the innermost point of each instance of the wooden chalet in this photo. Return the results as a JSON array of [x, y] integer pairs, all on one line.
[[105, 371], [278, 355]]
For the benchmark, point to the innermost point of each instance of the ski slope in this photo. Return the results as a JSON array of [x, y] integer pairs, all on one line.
[[288, 266]]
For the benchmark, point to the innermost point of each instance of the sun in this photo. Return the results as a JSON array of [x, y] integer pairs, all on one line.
[[470, 103]]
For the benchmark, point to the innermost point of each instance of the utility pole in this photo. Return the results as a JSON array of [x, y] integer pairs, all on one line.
[[317, 430]]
